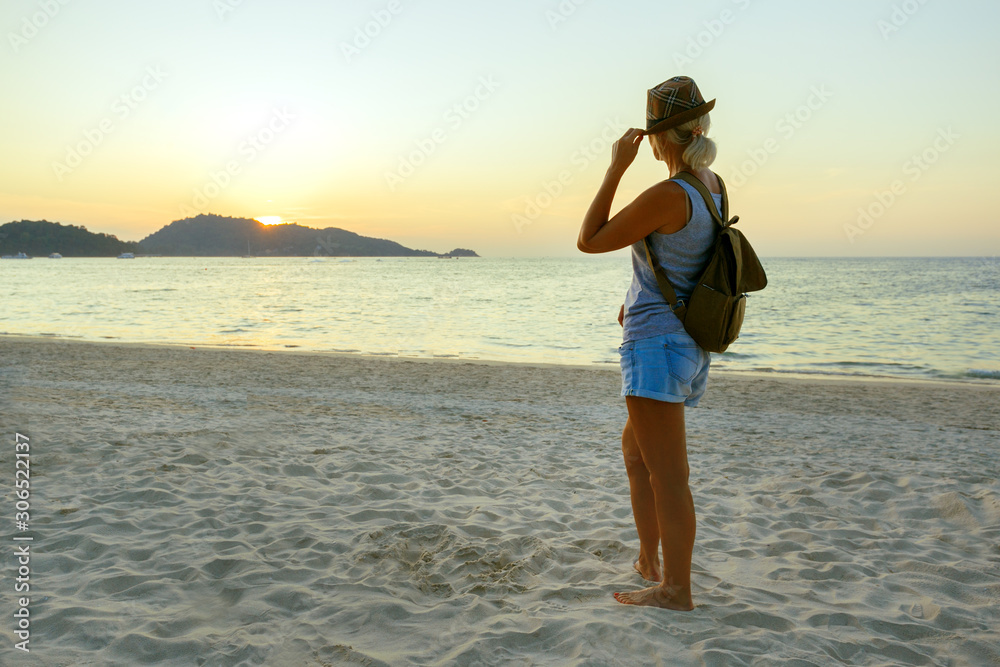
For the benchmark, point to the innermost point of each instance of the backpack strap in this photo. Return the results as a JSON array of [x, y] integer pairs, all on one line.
[[678, 308], [696, 183]]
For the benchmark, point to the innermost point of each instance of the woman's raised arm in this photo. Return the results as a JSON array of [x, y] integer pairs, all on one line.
[[650, 210]]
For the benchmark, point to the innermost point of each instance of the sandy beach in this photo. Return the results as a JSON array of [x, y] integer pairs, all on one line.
[[233, 507]]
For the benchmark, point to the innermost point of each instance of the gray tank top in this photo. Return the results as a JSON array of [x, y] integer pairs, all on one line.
[[683, 255]]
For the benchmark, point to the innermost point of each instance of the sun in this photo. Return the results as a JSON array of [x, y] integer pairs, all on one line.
[[269, 219]]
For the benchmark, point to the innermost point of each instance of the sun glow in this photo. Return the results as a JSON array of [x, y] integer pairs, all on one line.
[[269, 219]]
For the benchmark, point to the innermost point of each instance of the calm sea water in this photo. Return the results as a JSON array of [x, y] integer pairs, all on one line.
[[925, 318]]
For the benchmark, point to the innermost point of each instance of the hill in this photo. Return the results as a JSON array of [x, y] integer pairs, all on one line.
[[461, 252], [220, 236], [204, 236], [41, 238]]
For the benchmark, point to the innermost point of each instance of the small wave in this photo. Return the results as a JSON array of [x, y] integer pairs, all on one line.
[[982, 374], [977, 374], [808, 371], [869, 364]]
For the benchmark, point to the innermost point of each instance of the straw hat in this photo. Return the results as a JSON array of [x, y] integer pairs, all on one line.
[[674, 102]]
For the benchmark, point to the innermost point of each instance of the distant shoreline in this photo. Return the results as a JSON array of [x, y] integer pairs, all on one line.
[[143, 256]]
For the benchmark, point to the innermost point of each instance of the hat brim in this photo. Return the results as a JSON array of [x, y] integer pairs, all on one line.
[[680, 118]]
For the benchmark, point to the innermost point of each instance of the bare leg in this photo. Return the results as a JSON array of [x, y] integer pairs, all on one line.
[[659, 431], [643, 507]]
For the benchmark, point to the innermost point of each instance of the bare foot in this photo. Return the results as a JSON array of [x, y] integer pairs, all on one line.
[[666, 597], [649, 573]]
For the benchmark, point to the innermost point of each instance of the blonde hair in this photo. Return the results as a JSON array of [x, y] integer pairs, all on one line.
[[700, 151]]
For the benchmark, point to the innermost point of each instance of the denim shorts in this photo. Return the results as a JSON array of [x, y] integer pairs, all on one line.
[[671, 367]]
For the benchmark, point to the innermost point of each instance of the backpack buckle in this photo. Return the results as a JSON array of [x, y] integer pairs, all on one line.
[[680, 304]]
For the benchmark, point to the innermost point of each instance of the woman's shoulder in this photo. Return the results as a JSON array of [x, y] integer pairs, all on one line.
[[668, 191], [671, 203], [708, 178]]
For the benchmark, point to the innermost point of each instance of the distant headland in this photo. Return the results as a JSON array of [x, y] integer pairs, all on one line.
[[205, 236]]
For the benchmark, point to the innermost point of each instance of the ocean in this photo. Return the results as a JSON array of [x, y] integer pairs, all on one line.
[[930, 318]]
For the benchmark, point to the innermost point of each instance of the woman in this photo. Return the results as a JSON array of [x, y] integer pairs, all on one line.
[[663, 369]]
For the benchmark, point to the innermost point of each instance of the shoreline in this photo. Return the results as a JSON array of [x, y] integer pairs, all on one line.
[[159, 367], [796, 376]]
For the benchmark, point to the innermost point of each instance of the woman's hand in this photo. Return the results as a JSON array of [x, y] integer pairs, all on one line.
[[621, 316], [649, 211], [625, 149]]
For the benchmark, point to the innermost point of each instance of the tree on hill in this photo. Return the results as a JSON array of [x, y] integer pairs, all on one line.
[[41, 238]]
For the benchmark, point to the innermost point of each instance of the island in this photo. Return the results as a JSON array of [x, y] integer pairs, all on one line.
[[206, 235], [41, 238]]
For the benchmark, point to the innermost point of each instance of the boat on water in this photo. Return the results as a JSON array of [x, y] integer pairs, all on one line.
[[55, 255], [126, 255], [19, 255]]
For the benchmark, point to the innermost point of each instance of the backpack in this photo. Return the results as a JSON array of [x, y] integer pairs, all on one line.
[[714, 312]]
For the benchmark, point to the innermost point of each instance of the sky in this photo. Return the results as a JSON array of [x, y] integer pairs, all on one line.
[[856, 128]]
